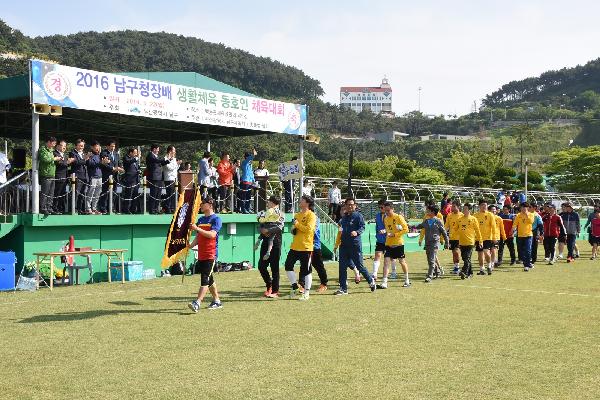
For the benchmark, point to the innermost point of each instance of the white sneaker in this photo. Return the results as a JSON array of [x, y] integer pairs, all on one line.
[[546, 259], [340, 292], [382, 285], [305, 296], [406, 284], [561, 256]]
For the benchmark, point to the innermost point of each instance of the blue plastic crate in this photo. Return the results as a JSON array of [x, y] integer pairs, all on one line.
[[7, 270], [134, 270]]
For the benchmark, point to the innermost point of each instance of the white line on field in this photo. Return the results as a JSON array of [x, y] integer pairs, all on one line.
[[530, 291]]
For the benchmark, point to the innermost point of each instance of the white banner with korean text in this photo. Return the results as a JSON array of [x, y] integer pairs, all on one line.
[[70, 87]]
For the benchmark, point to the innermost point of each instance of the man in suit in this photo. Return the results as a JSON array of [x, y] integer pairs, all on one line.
[[131, 181], [79, 168], [109, 168], [154, 175], [62, 166]]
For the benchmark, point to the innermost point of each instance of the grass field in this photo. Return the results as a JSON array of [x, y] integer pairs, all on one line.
[[512, 335]]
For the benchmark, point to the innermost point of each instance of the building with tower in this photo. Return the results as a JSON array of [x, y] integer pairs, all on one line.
[[377, 99]]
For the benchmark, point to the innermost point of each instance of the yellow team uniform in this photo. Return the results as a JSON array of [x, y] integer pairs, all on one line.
[[395, 224], [500, 233], [487, 225], [425, 218], [306, 224], [469, 231], [451, 225], [524, 224]]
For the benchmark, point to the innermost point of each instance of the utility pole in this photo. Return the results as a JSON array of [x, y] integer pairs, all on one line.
[[419, 99]]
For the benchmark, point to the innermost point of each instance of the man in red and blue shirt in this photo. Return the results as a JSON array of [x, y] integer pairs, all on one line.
[[207, 239]]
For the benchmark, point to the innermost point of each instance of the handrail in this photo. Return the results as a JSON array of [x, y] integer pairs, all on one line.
[[13, 179]]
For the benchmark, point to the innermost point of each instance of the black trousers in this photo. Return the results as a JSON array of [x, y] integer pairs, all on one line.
[[60, 203], [47, 194], [466, 252], [317, 264], [170, 199], [304, 258], [534, 249], [154, 199], [549, 247], [273, 262], [224, 199], [130, 206], [81, 190], [510, 243]]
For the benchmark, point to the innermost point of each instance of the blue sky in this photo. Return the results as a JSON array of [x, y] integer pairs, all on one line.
[[457, 51]]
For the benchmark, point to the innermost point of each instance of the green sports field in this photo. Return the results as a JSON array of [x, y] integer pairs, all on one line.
[[512, 335]]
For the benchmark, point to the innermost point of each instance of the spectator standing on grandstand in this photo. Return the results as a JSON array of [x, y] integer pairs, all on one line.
[[79, 168], [207, 241], [203, 171], [154, 172], [94, 163], [261, 170], [61, 177], [246, 181], [109, 168], [225, 171], [47, 171], [169, 177], [131, 181], [4, 166]]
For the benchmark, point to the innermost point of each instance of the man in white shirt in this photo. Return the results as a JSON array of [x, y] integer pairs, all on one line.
[[334, 197], [261, 170], [169, 178]]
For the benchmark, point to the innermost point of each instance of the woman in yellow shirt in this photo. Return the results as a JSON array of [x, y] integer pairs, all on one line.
[[469, 233], [523, 224]]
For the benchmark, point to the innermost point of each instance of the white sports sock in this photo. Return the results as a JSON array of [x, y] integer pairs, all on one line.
[[307, 282], [406, 277], [455, 265], [376, 267], [385, 280], [291, 276], [393, 266]]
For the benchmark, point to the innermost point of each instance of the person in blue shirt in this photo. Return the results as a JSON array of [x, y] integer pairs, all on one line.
[[246, 181], [538, 231], [380, 236], [352, 225]]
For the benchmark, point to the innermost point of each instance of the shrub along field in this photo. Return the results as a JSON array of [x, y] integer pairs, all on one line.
[[511, 335]]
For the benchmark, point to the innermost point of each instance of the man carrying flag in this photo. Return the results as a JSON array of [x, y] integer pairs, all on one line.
[[207, 239]]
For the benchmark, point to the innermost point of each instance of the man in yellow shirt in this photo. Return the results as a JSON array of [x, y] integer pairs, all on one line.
[[487, 227], [500, 235], [523, 225], [304, 226], [469, 234], [452, 227], [395, 228]]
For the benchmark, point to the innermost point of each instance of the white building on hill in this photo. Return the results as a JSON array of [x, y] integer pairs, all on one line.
[[374, 99]]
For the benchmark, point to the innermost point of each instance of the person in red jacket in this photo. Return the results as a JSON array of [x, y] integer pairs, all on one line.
[[553, 228], [225, 170]]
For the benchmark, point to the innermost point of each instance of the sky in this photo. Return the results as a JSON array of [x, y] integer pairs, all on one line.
[[456, 51]]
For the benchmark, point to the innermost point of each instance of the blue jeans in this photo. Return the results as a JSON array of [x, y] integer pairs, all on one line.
[[351, 257], [245, 194], [524, 245], [571, 239]]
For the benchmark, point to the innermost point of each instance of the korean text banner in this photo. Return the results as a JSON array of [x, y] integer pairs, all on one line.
[[84, 89]]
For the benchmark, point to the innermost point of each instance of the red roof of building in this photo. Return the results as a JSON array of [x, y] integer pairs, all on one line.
[[360, 89]]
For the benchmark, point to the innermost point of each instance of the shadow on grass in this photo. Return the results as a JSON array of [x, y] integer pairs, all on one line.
[[226, 295], [83, 315], [124, 303]]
